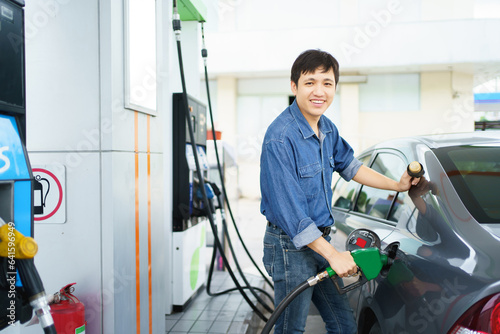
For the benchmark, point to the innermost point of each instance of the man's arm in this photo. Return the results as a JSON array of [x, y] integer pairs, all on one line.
[[341, 262], [372, 178]]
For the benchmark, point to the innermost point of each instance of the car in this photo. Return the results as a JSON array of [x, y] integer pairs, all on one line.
[[446, 275]]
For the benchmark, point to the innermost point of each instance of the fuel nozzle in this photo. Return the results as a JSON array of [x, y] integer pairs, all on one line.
[[364, 246], [13, 243], [21, 250], [415, 169], [390, 252]]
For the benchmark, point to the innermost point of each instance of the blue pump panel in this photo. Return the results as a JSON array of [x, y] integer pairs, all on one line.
[[13, 164], [15, 177]]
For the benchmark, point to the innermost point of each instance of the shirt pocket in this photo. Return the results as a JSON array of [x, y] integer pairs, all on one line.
[[310, 179]]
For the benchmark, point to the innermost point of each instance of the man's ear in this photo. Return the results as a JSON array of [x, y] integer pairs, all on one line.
[[293, 86]]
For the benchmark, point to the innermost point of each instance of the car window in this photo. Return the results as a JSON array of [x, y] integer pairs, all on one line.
[[474, 172], [344, 192], [377, 202]]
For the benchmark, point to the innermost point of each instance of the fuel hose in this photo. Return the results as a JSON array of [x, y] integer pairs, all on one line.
[[33, 286], [292, 295], [217, 193], [176, 23], [204, 54]]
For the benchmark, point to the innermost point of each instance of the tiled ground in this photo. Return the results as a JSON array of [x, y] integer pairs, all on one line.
[[227, 313]]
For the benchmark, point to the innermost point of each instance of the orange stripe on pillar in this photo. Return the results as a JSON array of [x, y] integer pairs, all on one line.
[[137, 253], [149, 229]]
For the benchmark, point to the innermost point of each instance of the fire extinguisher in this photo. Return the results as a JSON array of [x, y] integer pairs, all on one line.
[[68, 312]]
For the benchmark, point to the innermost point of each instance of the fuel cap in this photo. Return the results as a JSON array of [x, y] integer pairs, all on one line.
[[362, 238]]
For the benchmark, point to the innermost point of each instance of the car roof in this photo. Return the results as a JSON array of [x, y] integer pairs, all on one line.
[[467, 138], [445, 140]]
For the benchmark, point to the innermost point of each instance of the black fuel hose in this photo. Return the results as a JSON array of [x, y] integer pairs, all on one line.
[[176, 26], [204, 55], [218, 193], [329, 272], [219, 293], [33, 286], [283, 305]]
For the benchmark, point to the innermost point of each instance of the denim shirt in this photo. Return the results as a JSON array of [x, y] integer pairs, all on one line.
[[296, 174]]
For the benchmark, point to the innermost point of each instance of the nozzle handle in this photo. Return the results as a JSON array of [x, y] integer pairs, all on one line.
[[343, 289], [415, 169], [330, 272]]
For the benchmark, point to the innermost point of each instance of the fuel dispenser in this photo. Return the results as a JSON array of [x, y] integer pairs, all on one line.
[[15, 170], [21, 289], [12, 83], [189, 213]]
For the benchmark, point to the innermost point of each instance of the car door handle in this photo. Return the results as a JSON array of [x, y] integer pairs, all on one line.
[[334, 229]]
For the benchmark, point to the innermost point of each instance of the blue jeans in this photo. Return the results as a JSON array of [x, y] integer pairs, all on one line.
[[290, 267]]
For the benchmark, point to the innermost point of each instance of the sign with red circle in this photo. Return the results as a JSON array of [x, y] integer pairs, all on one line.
[[49, 194]]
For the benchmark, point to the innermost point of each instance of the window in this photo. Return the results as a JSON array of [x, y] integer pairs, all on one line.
[[344, 192], [390, 92], [376, 202], [474, 172], [140, 56]]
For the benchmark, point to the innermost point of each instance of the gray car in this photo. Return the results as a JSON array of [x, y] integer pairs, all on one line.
[[446, 277]]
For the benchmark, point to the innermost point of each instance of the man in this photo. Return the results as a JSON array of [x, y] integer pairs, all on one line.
[[301, 150]]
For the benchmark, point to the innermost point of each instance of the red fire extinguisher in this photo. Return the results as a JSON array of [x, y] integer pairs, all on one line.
[[68, 312]]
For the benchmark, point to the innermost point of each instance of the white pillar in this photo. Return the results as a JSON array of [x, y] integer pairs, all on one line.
[[349, 115]]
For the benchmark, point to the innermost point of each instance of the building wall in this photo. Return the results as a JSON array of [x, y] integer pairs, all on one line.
[[440, 111]]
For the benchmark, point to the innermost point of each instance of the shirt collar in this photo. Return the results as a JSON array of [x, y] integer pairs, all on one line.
[[304, 127]]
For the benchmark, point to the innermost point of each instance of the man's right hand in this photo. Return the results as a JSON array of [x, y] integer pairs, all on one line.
[[341, 262]]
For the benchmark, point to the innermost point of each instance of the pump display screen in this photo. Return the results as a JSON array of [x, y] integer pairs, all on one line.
[[12, 93]]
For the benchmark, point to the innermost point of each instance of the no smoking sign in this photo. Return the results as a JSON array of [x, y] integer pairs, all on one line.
[[49, 194]]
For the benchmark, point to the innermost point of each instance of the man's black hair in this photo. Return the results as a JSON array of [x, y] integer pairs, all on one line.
[[310, 60]]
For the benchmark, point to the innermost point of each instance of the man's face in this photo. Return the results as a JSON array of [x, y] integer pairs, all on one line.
[[314, 93]]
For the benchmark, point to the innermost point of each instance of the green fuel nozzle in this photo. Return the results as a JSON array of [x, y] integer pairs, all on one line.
[[370, 261]]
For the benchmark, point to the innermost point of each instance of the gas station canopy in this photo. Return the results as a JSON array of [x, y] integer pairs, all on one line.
[[192, 10]]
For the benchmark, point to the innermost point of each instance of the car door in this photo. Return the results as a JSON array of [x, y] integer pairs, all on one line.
[[356, 206]]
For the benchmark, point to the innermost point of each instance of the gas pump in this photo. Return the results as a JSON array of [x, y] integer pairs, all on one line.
[[15, 170], [189, 211], [21, 289]]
